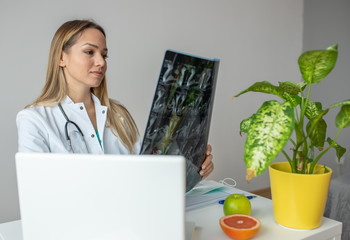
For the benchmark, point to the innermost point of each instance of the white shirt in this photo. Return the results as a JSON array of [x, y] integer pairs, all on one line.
[[42, 129]]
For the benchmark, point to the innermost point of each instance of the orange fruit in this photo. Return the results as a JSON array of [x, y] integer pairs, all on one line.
[[237, 204], [240, 226]]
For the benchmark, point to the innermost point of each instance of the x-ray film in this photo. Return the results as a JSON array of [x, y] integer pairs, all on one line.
[[180, 115]]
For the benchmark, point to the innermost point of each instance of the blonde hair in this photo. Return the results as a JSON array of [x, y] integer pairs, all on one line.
[[55, 88]]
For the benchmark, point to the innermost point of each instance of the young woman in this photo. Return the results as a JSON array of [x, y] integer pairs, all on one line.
[[73, 112]]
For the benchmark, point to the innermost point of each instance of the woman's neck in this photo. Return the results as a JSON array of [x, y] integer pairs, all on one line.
[[81, 96]]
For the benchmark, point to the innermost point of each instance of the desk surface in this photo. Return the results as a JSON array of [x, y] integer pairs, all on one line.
[[207, 226]]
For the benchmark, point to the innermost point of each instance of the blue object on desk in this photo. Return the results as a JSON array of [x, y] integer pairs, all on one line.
[[249, 197]]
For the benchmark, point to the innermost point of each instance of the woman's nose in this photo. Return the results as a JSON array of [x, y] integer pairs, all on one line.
[[100, 60]]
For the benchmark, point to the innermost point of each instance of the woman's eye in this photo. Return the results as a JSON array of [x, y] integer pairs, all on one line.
[[89, 52]]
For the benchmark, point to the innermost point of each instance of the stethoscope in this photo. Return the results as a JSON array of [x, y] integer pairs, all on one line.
[[68, 121]]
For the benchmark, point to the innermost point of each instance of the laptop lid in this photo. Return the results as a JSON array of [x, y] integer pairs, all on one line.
[[101, 197]]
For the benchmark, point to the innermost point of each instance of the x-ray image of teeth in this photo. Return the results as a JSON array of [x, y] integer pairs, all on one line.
[[179, 119]]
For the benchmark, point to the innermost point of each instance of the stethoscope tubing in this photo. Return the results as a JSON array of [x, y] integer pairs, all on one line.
[[68, 121]]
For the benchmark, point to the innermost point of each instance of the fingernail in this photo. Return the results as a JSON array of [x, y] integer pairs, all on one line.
[[201, 173], [203, 166]]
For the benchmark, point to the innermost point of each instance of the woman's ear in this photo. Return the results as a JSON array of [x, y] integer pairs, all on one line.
[[62, 60]]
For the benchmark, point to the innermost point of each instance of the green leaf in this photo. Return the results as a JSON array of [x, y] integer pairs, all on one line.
[[290, 87], [286, 90], [316, 129], [294, 99], [245, 124], [342, 120], [313, 109], [316, 65], [346, 102], [269, 131], [333, 47], [325, 169], [263, 87], [340, 151], [290, 91], [302, 85]]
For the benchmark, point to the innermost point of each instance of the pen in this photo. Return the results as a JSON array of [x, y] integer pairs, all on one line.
[[249, 197]]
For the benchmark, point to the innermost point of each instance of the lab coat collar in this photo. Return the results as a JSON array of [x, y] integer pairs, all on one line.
[[68, 100], [101, 118]]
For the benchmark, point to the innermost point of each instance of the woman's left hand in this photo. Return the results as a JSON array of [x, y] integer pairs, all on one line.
[[207, 166]]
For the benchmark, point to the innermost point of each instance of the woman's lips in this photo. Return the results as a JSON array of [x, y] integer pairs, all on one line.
[[97, 73]]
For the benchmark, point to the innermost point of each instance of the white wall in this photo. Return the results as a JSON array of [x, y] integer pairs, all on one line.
[[255, 40], [326, 23]]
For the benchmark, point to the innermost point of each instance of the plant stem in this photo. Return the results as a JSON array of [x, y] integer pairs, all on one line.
[[289, 160], [300, 139], [313, 164], [305, 143], [298, 134], [295, 157], [296, 115], [304, 103], [292, 141]]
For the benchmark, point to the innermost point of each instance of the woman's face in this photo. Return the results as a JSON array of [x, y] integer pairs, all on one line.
[[84, 64]]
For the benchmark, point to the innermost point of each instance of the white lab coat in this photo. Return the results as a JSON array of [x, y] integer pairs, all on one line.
[[42, 129]]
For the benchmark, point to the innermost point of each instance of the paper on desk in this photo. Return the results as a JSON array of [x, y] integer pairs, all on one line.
[[196, 200]]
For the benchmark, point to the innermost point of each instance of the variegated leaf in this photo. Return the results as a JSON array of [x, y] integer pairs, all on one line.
[[290, 92], [313, 109], [244, 126], [263, 87], [340, 151], [269, 131], [302, 85], [290, 87], [316, 65], [317, 132], [346, 102], [294, 99], [342, 120]]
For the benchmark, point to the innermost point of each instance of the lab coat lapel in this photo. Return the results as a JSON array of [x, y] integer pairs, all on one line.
[[101, 118]]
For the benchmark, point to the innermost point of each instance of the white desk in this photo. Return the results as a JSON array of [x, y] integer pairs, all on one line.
[[207, 226]]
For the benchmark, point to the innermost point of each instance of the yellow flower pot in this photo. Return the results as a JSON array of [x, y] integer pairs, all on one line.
[[298, 199]]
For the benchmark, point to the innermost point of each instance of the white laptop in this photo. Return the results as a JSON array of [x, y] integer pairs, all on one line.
[[101, 197]]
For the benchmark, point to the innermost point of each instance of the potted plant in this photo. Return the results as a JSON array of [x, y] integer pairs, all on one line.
[[271, 127]]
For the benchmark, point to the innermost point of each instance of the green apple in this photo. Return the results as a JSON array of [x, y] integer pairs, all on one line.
[[237, 204]]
